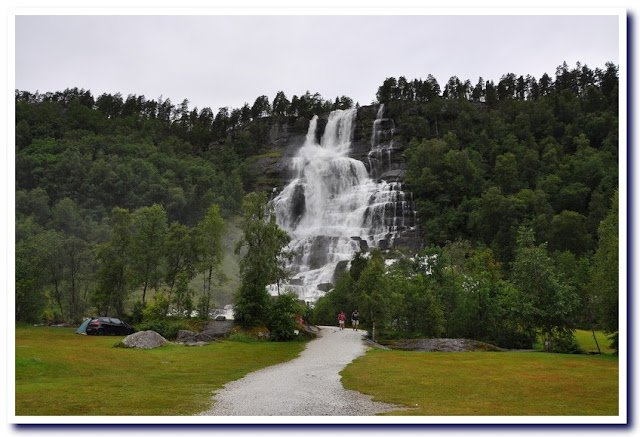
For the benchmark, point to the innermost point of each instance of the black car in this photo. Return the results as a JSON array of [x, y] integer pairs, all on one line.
[[108, 326]]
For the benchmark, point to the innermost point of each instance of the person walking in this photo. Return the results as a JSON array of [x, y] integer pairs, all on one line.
[[355, 320], [341, 319]]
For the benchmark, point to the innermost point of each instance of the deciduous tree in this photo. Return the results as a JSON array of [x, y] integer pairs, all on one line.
[[546, 303], [209, 234], [263, 255]]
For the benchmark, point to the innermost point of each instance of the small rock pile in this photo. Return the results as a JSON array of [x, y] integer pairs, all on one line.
[[144, 340]]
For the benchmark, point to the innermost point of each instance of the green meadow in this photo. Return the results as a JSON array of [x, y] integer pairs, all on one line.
[[488, 383], [63, 374]]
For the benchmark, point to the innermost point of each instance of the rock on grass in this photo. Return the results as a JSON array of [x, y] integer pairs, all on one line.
[[144, 340]]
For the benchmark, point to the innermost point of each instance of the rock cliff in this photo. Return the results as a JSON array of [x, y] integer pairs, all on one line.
[[375, 142]]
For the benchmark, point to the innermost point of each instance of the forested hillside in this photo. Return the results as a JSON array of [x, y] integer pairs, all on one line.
[[516, 190], [87, 166], [495, 170]]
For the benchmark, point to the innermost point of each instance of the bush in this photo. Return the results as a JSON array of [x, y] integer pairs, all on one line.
[[137, 315], [614, 342], [158, 309], [167, 328], [511, 339], [284, 317], [52, 316], [564, 342]]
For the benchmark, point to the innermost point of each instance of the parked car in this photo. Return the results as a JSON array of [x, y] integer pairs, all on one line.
[[108, 326]]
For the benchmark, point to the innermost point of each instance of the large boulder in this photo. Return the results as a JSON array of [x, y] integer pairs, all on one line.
[[144, 340]]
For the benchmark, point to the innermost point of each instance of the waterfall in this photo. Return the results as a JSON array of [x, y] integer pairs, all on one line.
[[334, 207]]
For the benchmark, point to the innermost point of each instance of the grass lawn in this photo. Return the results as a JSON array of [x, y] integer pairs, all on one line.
[[488, 383], [61, 373], [588, 344]]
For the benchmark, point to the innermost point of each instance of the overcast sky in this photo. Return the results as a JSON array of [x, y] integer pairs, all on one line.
[[218, 61]]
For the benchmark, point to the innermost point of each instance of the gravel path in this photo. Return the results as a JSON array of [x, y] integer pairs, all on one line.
[[306, 386]]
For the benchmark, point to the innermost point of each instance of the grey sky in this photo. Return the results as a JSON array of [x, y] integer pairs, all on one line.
[[220, 61]]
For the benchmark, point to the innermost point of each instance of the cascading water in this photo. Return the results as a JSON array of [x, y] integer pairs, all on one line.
[[332, 208]]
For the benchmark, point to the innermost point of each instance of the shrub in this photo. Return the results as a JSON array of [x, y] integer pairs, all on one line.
[[158, 309], [167, 328], [614, 342], [284, 317], [511, 339], [52, 316], [137, 314], [564, 342]]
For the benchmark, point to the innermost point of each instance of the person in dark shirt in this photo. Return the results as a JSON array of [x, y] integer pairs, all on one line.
[[355, 320]]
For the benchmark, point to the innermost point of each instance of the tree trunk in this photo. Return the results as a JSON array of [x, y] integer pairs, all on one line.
[[373, 331], [596, 340]]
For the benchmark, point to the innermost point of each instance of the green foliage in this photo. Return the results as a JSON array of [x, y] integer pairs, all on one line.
[[209, 235], [375, 295], [36, 254], [564, 342], [158, 309], [181, 254], [482, 161], [546, 303], [281, 319], [167, 328], [419, 311], [149, 233], [604, 279], [342, 298], [183, 297], [263, 256], [114, 274]]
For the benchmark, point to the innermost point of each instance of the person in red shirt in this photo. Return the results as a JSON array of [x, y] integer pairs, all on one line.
[[341, 319]]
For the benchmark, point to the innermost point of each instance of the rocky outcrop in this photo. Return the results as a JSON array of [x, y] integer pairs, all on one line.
[[213, 331], [444, 345]]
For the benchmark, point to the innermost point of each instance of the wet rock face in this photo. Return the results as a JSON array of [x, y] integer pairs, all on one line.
[[325, 286], [342, 267], [364, 246], [319, 251], [299, 204]]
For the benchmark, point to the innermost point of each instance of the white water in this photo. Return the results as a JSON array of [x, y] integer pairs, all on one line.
[[332, 204]]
